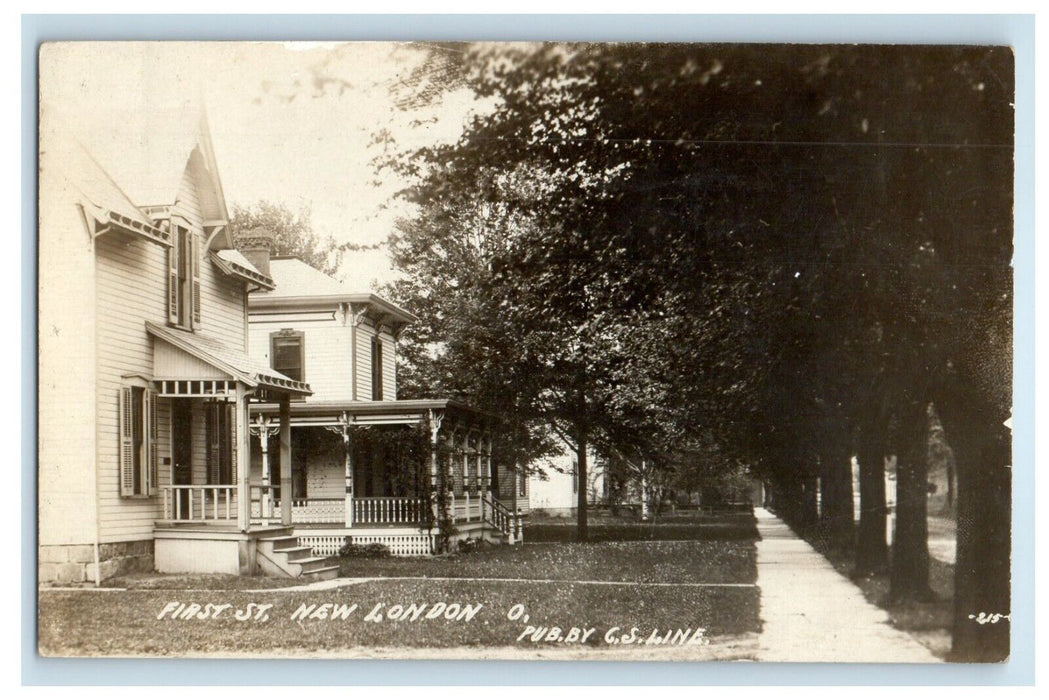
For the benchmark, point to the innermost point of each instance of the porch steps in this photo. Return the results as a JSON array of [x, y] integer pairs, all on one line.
[[281, 555]]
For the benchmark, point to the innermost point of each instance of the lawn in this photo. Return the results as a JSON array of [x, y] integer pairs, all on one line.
[[616, 595], [644, 562], [679, 526]]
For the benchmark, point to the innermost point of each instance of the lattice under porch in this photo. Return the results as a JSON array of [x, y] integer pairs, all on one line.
[[401, 541]]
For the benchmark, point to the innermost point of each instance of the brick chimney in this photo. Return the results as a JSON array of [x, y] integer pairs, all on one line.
[[257, 246]]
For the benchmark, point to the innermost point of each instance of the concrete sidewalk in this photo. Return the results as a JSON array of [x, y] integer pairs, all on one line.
[[811, 613]]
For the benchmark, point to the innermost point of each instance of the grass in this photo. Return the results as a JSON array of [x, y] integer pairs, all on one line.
[[126, 623], [645, 562], [208, 582], [692, 526], [635, 586]]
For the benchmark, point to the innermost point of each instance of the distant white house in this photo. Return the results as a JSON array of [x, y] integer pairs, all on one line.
[[554, 487]]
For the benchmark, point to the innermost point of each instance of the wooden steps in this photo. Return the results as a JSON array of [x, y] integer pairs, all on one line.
[[281, 555]]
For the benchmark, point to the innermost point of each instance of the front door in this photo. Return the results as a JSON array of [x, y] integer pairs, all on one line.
[[182, 450]]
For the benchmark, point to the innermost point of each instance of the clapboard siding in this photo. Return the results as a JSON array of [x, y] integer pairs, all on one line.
[[164, 444], [328, 363], [187, 201], [326, 472], [132, 289], [222, 306], [66, 369], [124, 266]]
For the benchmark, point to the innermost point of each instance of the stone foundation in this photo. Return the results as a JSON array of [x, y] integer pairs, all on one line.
[[75, 563]]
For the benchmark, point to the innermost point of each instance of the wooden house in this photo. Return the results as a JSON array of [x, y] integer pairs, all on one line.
[[365, 467], [553, 486], [144, 373]]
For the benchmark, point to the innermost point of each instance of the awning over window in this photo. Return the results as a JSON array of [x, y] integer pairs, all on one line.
[[192, 356], [231, 262]]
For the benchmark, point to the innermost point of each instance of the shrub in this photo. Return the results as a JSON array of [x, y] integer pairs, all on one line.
[[374, 550]]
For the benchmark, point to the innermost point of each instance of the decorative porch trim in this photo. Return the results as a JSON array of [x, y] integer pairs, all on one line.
[[201, 388]]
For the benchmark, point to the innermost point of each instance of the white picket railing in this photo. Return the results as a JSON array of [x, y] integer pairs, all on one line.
[[388, 510], [197, 503], [466, 508]]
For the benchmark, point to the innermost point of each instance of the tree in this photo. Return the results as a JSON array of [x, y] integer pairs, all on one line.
[[293, 234], [769, 250]]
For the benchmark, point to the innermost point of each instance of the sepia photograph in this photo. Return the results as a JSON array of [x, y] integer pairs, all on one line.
[[537, 350]]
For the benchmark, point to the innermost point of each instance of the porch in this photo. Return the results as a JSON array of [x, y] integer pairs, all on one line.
[[402, 473], [404, 524]]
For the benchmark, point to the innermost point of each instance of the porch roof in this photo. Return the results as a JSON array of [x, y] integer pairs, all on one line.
[[214, 353], [377, 412]]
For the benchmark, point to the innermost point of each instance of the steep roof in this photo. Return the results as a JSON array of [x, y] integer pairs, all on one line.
[[67, 157], [150, 151]]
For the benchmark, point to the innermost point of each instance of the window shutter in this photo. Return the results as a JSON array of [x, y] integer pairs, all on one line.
[[194, 250], [173, 278], [151, 412], [211, 430], [127, 447], [376, 368]]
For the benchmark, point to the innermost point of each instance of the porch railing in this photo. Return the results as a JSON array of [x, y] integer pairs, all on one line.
[[265, 506], [210, 503], [318, 510], [387, 511], [504, 519], [466, 508]]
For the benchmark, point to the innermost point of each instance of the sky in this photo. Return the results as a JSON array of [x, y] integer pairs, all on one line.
[[291, 123]]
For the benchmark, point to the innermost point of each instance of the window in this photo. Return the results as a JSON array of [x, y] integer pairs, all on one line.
[[376, 368], [287, 354], [522, 480], [221, 437], [137, 415], [184, 279]]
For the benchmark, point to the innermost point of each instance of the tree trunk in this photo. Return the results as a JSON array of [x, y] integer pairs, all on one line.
[[644, 493], [836, 483], [582, 533], [808, 513], [982, 453], [872, 552], [909, 577]]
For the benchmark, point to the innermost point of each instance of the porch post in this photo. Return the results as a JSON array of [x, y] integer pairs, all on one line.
[[436, 482], [347, 448], [480, 477], [285, 460], [488, 467], [242, 465], [264, 443], [479, 472], [513, 500]]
